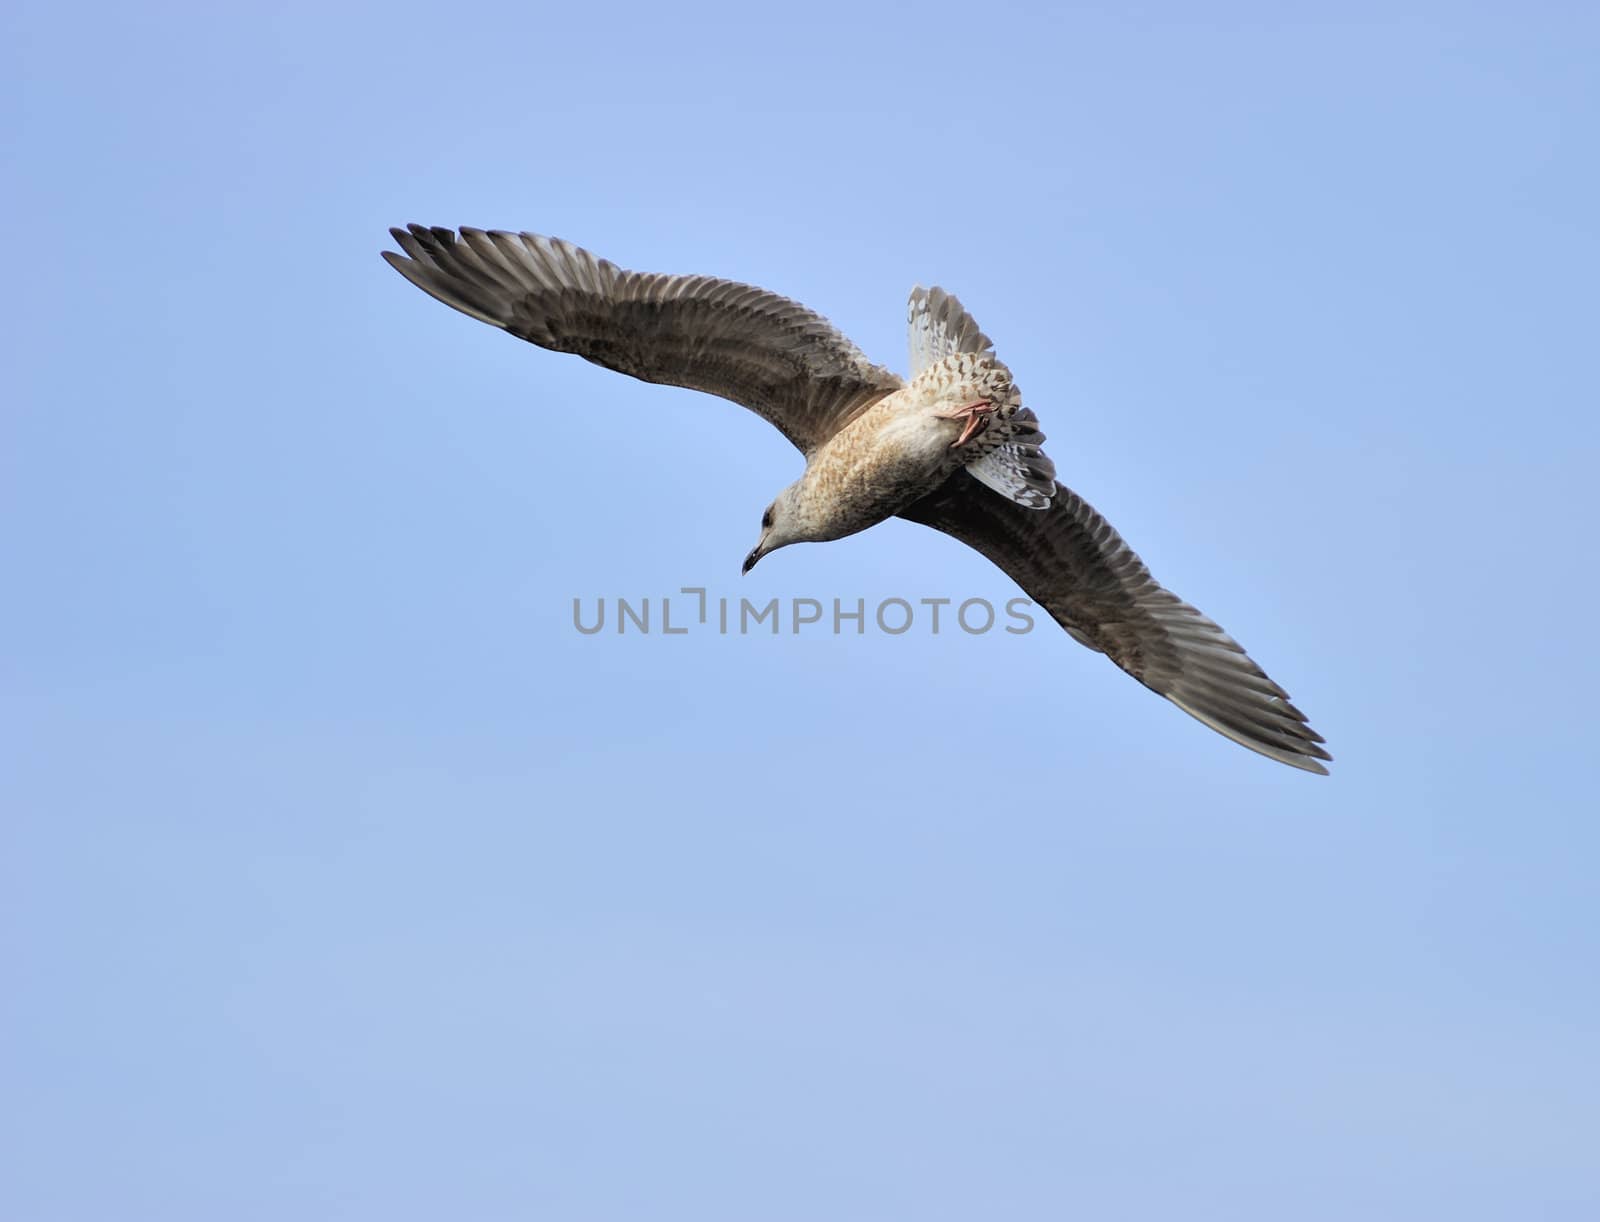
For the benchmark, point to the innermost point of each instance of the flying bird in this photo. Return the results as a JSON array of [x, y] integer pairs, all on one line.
[[953, 447]]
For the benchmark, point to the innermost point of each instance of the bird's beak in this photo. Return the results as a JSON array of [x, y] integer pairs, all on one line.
[[756, 553]]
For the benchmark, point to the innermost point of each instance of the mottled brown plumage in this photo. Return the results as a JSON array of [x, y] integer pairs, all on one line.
[[953, 449]]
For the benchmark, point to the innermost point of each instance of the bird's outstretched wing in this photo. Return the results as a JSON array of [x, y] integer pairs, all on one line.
[[1071, 562], [784, 362]]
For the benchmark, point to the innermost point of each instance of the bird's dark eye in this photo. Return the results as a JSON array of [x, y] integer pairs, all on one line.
[[766, 520]]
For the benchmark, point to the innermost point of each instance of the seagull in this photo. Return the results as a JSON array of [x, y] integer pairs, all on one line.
[[953, 447]]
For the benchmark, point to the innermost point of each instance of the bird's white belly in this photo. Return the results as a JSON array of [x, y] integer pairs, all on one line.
[[882, 462]]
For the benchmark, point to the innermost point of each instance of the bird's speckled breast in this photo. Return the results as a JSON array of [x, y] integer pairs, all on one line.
[[900, 448]]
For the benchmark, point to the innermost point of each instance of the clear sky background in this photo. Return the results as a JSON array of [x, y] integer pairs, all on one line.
[[342, 879]]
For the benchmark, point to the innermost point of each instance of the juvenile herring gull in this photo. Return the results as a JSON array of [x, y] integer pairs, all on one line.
[[952, 448]]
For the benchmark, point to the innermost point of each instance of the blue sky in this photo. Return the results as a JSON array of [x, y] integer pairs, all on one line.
[[342, 879]]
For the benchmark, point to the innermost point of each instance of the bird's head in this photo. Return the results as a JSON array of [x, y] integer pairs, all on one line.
[[779, 528]]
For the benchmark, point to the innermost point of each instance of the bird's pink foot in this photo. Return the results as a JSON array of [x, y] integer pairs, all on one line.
[[976, 416]]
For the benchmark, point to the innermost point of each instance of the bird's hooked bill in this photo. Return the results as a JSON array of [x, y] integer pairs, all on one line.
[[750, 560]]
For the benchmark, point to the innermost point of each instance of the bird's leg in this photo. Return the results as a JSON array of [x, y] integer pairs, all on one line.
[[976, 416]]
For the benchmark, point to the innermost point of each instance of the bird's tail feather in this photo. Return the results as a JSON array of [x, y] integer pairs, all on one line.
[[940, 327]]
